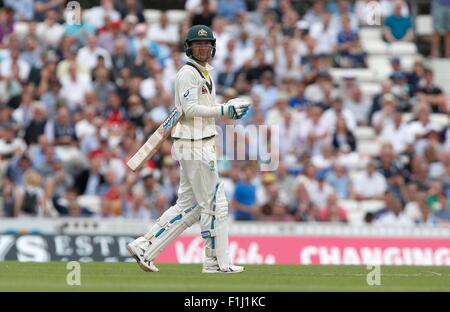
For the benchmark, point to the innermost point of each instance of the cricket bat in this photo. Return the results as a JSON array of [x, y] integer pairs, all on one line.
[[153, 143]]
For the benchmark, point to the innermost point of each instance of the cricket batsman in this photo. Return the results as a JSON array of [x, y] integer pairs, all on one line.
[[201, 195]]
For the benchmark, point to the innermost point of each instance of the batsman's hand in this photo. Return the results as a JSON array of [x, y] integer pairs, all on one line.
[[235, 108]]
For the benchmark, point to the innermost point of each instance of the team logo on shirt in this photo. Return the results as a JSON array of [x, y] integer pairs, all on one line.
[[211, 165], [204, 90], [202, 33], [186, 93]]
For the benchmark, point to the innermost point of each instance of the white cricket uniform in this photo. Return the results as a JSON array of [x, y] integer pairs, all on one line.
[[200, 193]]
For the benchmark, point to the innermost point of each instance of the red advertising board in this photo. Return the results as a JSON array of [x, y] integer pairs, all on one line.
[[318, 250]]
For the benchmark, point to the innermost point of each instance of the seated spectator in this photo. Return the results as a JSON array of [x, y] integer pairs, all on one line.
[[431, 94], [395, 215], [62, 130], [440, 10], [397, 133], [30, 200], [162, 32], [398, 28], [384, 117], [386, 88], [206, 16], [230, 8], [298, 101], [227, 77], [313, 132], [337, 110], [354, 56], [339, 9], [89, 180], [358, 106], [244, 198], [345, 36], [332, 212], [369, 184], [338, 178], [69, 207], [400, 89], [276, 211], [323, 34]]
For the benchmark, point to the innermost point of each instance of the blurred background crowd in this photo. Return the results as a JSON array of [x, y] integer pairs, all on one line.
[[363, 122]]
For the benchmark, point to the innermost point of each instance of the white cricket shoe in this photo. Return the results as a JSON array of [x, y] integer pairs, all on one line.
[[210, 265], [137, 249]]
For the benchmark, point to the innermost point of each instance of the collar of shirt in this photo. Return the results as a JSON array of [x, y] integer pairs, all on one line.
[[204, 69]]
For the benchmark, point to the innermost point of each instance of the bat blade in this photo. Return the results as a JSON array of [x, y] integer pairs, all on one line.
[[151, 146]]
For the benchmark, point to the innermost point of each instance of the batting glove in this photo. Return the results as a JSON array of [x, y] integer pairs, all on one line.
[[235, 108]]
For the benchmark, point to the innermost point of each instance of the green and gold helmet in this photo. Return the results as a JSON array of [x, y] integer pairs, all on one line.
[[199, 32]]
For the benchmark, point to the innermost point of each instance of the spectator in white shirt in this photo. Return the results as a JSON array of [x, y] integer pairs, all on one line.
[[90, 53], [330, 116], [74, 87], [383, 117], [8, 65], [369, 184], [98, 15], [358, 106], [86, 126], [315, 13], [324, 35], [397, 133], [395, 216], [163, 32], [50, 32]]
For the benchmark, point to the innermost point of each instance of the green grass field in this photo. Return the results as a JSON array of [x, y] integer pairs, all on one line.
[[20, 276]]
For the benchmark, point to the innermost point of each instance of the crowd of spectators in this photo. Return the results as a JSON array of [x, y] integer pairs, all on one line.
[[77, 99]]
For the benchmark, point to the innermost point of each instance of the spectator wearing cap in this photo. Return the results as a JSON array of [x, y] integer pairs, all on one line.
[[386, 88], [431, 94], [440, 10], [343, 139], [369, 184], [268, 193], [398, 28], [244, 198]]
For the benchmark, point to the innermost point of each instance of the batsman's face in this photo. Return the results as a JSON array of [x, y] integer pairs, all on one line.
[[201, 50]]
